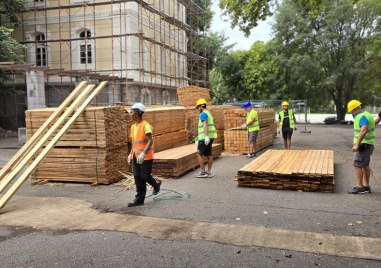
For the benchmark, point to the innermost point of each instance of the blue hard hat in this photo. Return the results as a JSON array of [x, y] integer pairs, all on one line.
[[247, 104]]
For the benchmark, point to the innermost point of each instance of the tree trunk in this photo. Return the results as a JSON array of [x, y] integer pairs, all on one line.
[[340, 112]]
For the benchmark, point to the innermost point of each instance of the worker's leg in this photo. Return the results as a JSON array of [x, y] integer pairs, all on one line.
[[209, 154], [253, 140], [146, 172], [200, 155], [359, 176], [288, 144], [141, 187], [366, 175], [289, 135], [210, 163]]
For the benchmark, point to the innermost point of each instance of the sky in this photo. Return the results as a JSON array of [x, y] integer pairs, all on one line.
[[261, 33]]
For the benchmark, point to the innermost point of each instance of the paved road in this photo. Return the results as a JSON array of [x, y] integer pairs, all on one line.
[[220, 225]]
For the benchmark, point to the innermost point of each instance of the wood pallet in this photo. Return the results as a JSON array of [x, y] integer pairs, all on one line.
[[189, 95], [303, 170], [175, 162], [236, 140]]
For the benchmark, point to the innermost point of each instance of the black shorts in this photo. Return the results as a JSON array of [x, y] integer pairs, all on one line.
[[362, 159], [287, 133], [205, 150]]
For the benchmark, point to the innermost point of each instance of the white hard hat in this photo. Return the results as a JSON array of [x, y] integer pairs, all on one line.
[[139, 106]]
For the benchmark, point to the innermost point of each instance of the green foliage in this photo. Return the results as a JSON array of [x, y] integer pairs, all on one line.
[[325, 56], [9, 10]]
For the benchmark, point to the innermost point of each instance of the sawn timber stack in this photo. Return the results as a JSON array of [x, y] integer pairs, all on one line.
[[303, 170], [175, 162]]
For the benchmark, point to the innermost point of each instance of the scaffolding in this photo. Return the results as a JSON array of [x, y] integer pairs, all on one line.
[[146, 48]]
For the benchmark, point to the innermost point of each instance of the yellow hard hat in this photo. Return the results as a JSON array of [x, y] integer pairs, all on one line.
[[285, 103], [353, 104], [201, 102]]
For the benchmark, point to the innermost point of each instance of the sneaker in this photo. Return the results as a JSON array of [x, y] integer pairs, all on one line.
[[249, 155], [367, 190], [357, 190], [210, 174], [253, 155], [202, 174], [156, 188]]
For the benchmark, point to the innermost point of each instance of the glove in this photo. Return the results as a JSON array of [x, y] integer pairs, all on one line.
[[243, 126], [140, 158], [207, 140], [129, 159]]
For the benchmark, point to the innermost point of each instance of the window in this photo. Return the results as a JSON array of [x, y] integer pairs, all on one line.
[[40, 50], [85, 50]]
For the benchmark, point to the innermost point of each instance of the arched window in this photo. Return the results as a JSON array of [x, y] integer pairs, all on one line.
[[40, 50], [85, 50]]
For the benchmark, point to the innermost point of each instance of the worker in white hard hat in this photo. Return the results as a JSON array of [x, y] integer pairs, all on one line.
[[363, 145], [206, 135], [141, 155], [286, 123]]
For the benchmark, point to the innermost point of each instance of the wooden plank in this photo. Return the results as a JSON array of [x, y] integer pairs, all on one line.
[[12, 190], [34, 139]]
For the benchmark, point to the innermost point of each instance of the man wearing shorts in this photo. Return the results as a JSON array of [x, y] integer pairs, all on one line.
[[206, 135], [252, 126], [286, 123], [363, 145]]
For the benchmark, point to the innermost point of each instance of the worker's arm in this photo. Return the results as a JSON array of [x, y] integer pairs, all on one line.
[[251, 122], [149, 143], [363, 131], [205, 122]]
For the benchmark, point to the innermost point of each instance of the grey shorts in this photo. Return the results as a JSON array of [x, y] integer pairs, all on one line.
[[252, 136], [362, 159]]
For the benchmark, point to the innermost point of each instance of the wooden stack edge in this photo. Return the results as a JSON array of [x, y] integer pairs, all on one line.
[[90, 165], [179, 165], [302, 170], [170, 140]]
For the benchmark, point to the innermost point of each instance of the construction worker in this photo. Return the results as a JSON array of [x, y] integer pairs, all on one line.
[[206, 135], [141, 155], [286, 123], [252, 126], [363, 145]]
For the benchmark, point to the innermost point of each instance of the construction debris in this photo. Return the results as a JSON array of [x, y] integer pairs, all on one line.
[[301, 170]]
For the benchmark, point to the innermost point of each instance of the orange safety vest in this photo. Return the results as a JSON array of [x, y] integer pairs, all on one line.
[[141, 141]]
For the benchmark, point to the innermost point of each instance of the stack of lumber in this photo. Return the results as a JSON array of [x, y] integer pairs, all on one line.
[[189, 95], [303, 170], [94, 149], [177, 161], [168, 124], [236, 140], [218, 113]]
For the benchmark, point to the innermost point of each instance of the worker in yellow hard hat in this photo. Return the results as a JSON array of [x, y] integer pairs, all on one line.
[[206, 135], [286, 123], [363, 145]]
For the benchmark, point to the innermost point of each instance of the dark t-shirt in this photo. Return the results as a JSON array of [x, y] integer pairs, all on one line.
[[286, 121]]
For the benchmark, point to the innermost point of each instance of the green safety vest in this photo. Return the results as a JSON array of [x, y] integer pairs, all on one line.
[[290, 117], [370, 134], [255, 126], [211, 128]]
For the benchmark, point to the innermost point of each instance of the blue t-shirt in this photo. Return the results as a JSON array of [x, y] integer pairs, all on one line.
[[363, 121], [203, 116]]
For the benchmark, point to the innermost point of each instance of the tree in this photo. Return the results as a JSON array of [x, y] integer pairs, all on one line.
[[324, 56], [246, 14]]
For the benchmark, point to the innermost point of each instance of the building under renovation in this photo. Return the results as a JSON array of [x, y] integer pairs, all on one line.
[[146, 49]]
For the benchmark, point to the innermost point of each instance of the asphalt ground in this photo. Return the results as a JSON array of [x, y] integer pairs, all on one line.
[[218, 203]]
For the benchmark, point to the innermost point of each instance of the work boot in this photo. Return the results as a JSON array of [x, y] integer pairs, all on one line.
[[156, 188], [357, 190], [367, 190], [135, 203]]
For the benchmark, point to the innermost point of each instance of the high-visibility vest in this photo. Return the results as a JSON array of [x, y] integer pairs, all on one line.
[[140, 141], [290, 117], [212, 133], [254, 126], [370, 134]]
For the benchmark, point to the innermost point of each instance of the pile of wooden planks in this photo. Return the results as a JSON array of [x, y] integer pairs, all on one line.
[[303, 170], [168, 124], [177, 161], [236, 140], [189, 95], [94, 149]]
